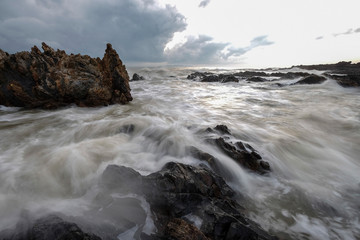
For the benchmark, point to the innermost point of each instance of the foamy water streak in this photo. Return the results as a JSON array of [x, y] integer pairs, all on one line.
[[52, 160]]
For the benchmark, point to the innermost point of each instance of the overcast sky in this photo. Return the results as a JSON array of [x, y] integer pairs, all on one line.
[[238, 33]]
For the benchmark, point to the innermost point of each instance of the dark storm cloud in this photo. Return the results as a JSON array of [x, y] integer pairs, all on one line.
[[137, 29], [319, 38], [203, 49], [204, 3]]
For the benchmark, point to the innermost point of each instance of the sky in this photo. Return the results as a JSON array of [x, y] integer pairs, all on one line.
[[229, 33]]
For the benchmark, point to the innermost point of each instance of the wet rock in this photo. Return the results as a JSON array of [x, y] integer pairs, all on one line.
[[256, 79], [210, 77], [350, 80], [180, 190], [346, 74], [199, 75], [178, 229], [289, 75], [187, 202], [246, 157], [206, 157], [249, 74], [127, 129], [137, 77], [242, 153], [229, 78], [49, 227], [121, 178], [312, 79], [223, 129], [52, 79]]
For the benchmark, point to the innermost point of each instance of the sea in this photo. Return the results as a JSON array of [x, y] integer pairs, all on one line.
[[52, 160]]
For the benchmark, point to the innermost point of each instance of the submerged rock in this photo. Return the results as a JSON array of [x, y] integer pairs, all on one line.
[[52, 79], [45, 228]]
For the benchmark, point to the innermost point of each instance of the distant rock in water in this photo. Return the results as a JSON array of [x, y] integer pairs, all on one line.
[[256, 79], [210, 77], [346, 74], [137, 77], [52, 79], [312, 79]]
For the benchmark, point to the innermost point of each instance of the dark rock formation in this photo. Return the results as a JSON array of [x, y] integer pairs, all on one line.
[[210, 77], [346, 74], [187, 202], [256, 79], [250, 76], [199, 75], [137, 77], [346, 80], [242, 153], [45, 228], [178, 229], [289, 75], [312, 79], [52, 79]]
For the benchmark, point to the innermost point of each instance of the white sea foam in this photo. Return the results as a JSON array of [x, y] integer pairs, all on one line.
[[310, 135]]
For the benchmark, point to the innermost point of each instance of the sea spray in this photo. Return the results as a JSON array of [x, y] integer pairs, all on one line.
[[51, 161]]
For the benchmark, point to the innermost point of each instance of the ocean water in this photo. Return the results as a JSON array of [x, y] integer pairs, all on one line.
[[51, 160]]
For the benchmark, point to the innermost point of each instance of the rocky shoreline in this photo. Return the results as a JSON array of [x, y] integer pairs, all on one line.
[[186, 202], [52, 79], [345, 74]]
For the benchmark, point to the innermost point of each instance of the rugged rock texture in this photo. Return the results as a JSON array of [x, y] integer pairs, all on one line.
[[312, 79], [346, 74], [242, 153], [187, 202], [49, 227], [256, 79], [51, 79], [137, 77], [210, 77], [251, 76]]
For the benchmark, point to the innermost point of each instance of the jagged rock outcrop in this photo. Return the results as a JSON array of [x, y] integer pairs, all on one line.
[[242, 153], [188, 202], [52, 79], [137, 77]]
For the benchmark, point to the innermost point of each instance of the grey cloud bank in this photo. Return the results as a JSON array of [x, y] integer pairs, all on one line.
[[202, 49], [138, 30], [204, 3]]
